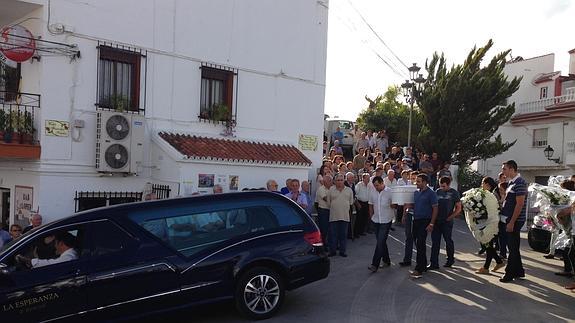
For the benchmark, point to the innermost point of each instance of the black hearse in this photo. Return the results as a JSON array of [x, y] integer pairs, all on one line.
[[134, 259]]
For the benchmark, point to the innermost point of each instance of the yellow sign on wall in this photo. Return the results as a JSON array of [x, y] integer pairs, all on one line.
[[308, 142], [57, 128]]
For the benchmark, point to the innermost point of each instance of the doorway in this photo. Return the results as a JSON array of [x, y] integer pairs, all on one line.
[[4, 207]]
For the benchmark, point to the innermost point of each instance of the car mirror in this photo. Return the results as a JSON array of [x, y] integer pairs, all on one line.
[[4, 270]]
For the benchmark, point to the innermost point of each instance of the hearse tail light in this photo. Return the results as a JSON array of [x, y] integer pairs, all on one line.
[[313, 238]]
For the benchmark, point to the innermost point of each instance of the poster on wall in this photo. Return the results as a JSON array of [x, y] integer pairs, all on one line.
[[205, 180], [234, 182], [23, 201], [187, 188], [307, 142], [222, 180]]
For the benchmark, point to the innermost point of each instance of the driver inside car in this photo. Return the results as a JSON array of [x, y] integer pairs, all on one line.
[[64, 243]]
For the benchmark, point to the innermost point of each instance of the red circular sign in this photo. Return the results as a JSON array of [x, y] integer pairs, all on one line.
[[17, 43]]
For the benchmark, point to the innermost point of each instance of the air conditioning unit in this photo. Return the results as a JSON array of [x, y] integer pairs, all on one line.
[[119, 142]]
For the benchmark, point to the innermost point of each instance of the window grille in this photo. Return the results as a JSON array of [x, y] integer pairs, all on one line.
[[540, 137], [121, 78], [90, 200]]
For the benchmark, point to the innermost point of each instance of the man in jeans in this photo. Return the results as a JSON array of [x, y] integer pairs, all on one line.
[[381, 213], [340, 198], [514, 211], [323, 208], [449, 207], [407, 220], [424, 217]]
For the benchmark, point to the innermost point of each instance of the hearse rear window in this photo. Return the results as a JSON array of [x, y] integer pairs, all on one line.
[[193, 232]]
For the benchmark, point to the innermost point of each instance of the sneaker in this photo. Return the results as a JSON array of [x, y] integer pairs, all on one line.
[[405, 263], [506, 279], [482, 271], [449, 264], [499, 266], [372, 268], [416, 274], [432, 267], [564, 274]]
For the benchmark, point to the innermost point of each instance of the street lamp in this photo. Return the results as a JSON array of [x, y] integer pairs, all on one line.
[[549, 153], [411, 89]]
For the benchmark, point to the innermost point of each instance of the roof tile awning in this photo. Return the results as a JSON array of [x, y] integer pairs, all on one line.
[[196, 147]]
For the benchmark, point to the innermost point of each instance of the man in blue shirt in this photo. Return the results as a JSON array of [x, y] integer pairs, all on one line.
[[424, 217], [337, 135], [514, 211], [449, 207]]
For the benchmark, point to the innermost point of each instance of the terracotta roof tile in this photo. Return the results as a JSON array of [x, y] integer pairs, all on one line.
[[547, 77], [196, 147]]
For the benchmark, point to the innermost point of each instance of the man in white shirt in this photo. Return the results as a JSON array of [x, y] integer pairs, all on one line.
[[65, 243], [390, 180], [323, 207], [362, 190], [382, 212]]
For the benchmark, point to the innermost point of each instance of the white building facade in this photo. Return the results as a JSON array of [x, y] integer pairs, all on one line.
[[213, 74], [544, 119]]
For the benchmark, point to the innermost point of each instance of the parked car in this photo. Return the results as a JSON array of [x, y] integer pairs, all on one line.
[[135, 259]]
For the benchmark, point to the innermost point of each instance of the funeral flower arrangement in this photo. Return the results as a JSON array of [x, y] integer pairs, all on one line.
[[481, 213], [551, 200]]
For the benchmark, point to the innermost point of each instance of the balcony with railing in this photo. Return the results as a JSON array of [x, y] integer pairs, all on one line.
[[542, 105], [18, 135]]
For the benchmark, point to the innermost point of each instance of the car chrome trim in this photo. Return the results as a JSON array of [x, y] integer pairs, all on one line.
[[127, 271], [134, 300], [200, 285], [238, 243]]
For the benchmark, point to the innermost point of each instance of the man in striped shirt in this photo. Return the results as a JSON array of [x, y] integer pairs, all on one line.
[[514, 209]]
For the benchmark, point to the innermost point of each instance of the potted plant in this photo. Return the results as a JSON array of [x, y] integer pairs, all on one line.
[[8, 128], [13, 126], [27, 128], [220, 112], [119, 102]]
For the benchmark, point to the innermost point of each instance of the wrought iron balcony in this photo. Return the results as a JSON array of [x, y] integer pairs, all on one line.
[[18, 125]]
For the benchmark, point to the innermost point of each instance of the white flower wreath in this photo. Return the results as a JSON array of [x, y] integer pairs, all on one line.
[[477, 203]]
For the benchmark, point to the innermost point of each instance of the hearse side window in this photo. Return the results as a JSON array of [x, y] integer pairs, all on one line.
[[287, 216], [193, 232], [108, 238], [52, 248]]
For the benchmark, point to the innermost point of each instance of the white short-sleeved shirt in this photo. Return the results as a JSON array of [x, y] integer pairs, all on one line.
[[381, 201]]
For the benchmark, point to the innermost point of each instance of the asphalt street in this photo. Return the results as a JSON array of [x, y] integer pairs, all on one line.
[[353, 294]]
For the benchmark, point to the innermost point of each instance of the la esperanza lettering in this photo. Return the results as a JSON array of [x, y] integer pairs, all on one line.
[[30, 301]]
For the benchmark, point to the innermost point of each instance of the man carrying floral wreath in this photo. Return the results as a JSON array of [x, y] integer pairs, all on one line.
[[514, 211]]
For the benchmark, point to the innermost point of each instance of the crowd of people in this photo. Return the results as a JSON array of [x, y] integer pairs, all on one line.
[[353, 198]]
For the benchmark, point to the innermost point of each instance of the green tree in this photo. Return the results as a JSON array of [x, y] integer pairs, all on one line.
[[464, 106], [389, 113]]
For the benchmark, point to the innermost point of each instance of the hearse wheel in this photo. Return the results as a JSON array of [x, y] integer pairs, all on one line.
[[259, 293]]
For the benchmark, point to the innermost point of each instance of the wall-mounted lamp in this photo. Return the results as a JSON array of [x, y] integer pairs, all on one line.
[[549, 153]]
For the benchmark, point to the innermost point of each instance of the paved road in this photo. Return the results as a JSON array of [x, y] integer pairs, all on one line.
[[352, 294]]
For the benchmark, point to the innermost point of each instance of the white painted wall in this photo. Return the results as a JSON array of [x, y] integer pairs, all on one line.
[[530, 69], [278, 47]]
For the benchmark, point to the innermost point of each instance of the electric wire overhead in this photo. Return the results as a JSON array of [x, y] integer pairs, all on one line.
[[375, 33]]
